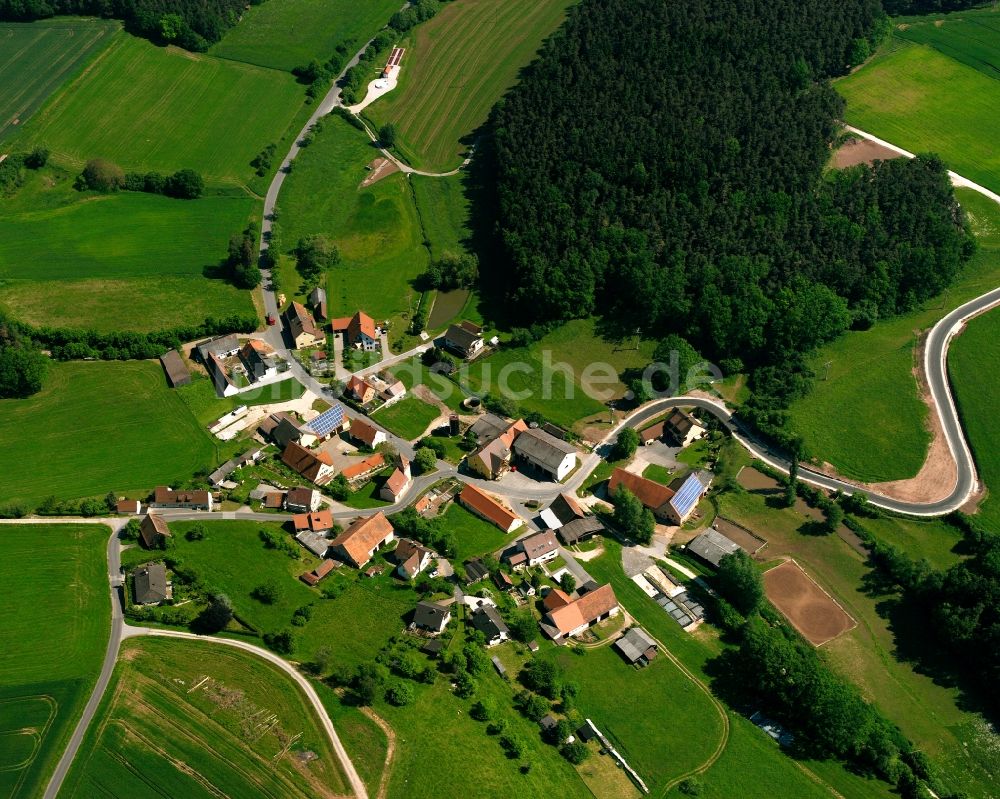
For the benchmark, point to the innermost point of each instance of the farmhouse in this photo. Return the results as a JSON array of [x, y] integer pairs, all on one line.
[[130, 506], [489, 508], [317, 574], [545, 452], [399, 482], [149, 584], [493, 457], [410, 558], [540, 548], [328, 424], [364, 468], [580, 530], [359, 331], [684, 428], [224, 386], [153, 531], [317, 521], [259, 360], [302, 500], [712, 547], [636, 646], [220, 347], [369, 435], [464, 339], [673, 504], [432, 616], [650, 493], [302, 327], [487, 620], [166, 497], [360, 389], [573, 618], [317, 467], [362, 539], [687, 494], [175, 369], [564, 509]]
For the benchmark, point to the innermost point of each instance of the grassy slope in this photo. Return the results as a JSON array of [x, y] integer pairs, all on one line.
[[54, 576], [288, 33], [96, 427], [867, 418], [974, 367], [128, 261], [969, 36], [456, 67], [473, 536], [36, 58], [920, 99], [156, 729], [154, 108], [408, 418], [376, 228]]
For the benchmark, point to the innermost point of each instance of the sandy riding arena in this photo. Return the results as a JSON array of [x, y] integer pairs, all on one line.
[[811, 610]]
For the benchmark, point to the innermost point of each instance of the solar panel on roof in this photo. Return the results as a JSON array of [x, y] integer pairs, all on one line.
[[328, 421], [684, 621], [688, 495]]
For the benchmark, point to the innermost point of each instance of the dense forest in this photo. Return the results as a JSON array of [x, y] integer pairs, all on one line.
[[662, 164], [22, 365], [927, 6], [191, 24]]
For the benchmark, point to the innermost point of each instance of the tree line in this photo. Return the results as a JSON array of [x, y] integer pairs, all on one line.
[[191, 24], [676, 185]]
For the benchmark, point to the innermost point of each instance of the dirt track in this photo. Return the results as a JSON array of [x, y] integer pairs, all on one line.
[[811, 610]]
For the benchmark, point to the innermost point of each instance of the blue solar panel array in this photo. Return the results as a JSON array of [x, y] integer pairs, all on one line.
[[328, 421], [687, 496]]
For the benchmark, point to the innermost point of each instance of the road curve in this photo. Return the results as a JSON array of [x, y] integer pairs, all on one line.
[[357, 785], [110, 656]]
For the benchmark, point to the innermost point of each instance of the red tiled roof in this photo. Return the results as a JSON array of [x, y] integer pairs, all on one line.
[[584, 610], [317, 574], [363, 536], [650, 493], [308, 464], [340, 324], [275, 499], [164, 495], [364, 432], [556, 598], [317, 521], [360, 323], [363, 466], [488, 507]]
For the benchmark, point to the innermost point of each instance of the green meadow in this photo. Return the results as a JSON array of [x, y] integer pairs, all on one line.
[[195, 719], [154, 108], [284, 34], [917, 97], [97, 427], [971, 36], [864, 414], [408, 418], [53, 646], [456, 67], [35, 59], [376, 228]]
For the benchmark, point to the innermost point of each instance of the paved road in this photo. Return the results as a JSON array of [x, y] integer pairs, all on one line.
[[107, 668]]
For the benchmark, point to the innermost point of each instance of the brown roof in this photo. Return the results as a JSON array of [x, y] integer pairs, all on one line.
[[652, 433], [307, 463], [319, 520], [681, 421], [565, 507], [650, 493], [270, 422], [363, 466], [165, 495], [317, 574], [364, 432], [152, 528], [301, 321], [360, 323], [584, 610], [539, 544], [407, 550], [422, 504], [177, 371], [359, 387], [497, 450], [397, 482], [363, 536], [127, 506], [488, 507], [274, 499], [299, 496]]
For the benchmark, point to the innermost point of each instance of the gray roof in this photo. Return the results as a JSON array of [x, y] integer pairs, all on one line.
[[217, 346], [286, 432], [535, 546], [634, 644], [487, 620], [543, 448], [430, 614], [177, 371], [712, 546], [314, 542], [461, 337], [475, 570], [580, 528], [488, 426], [150, 583], [316, 296]]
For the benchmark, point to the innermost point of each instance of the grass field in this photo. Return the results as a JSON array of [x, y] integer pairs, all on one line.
[[376, 228], [924, 101], [473, 536], [192, 719], [36, 58], [974, 367], [288, 33], [128, 261], [455, 69], [97, 427], [155, 108], [53, 644], [971, 36], [866, 417], [408, 418]]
